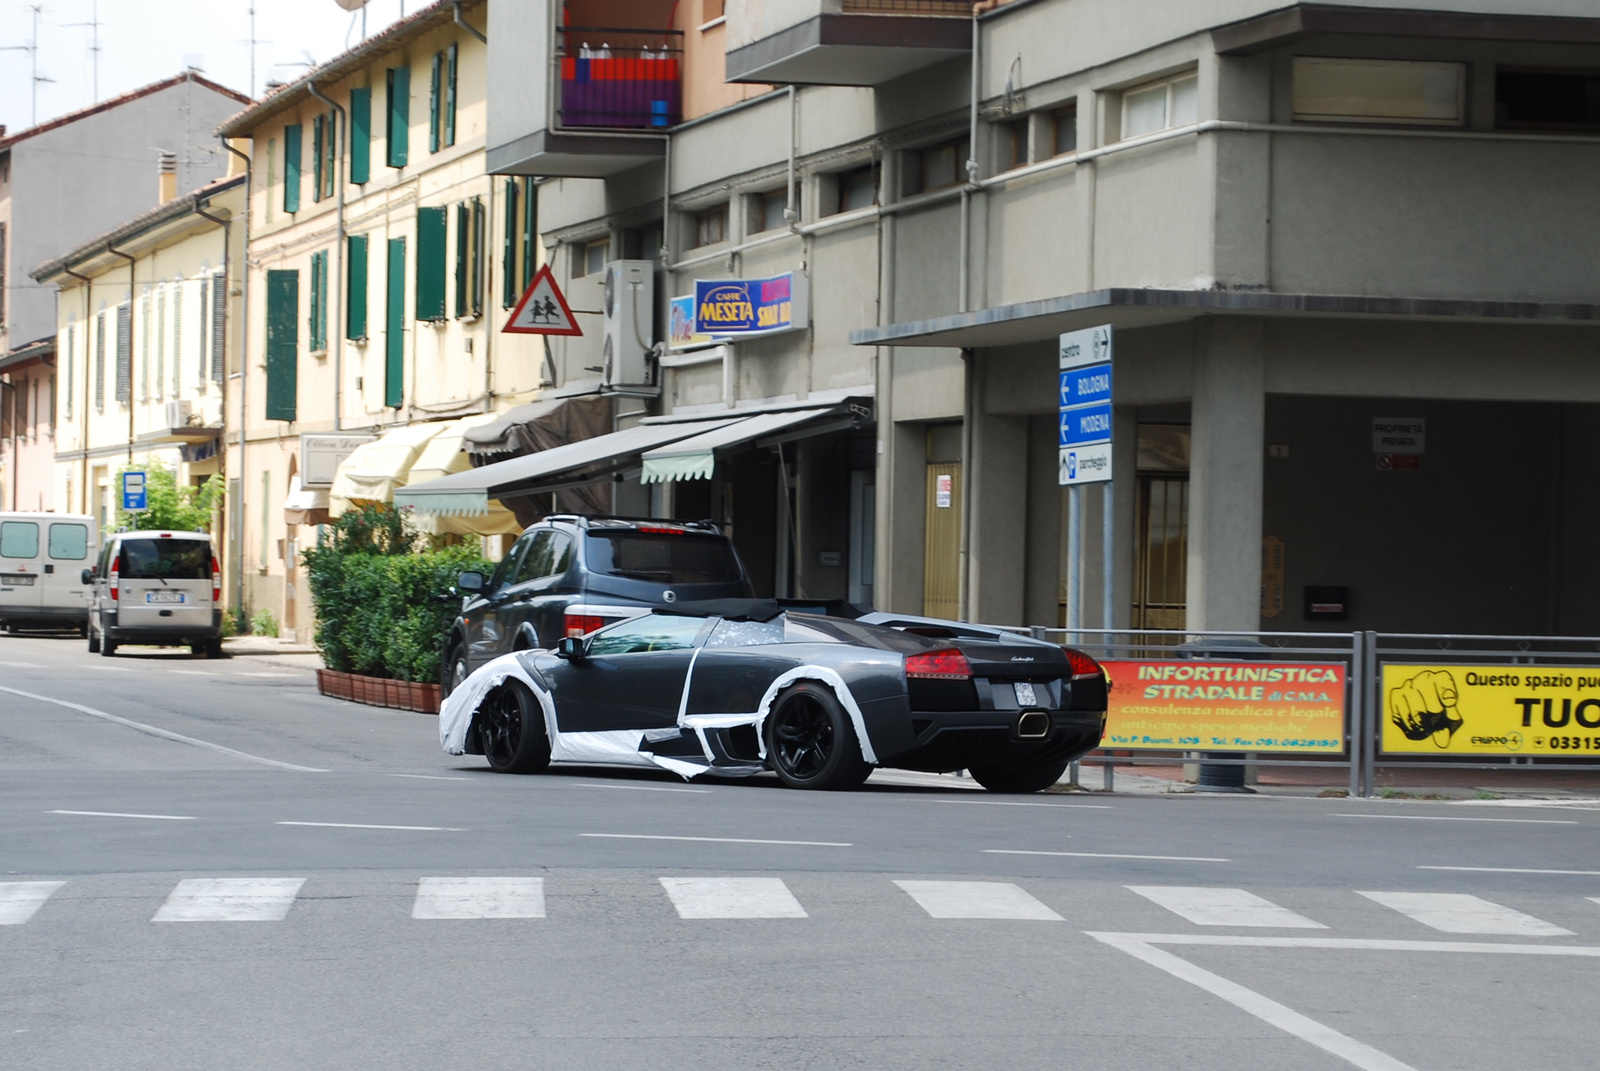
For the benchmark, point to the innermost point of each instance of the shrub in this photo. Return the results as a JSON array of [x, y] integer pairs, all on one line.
[[383, 607], [262, 623]]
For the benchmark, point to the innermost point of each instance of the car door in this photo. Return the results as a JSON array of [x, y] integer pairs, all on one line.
[[481, 616], [518, 601], [100, 601], [67, 548], [541, 595], [20, 550], [632, 678]]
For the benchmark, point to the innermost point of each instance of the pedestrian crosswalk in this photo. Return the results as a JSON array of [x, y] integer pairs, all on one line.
[[273, 899]]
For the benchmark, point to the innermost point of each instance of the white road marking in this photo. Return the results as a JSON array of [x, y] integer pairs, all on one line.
[[1205, 906], [266, 674], [722, 840], [107, 669], [1112, 855], [976, 900], [1018, 803], [121, 814], [1457, 818], [1264, 1008], [1463, 913], [479, 898], [164, 734], [20, 899], [192, 672], [430, 777], [1512, 870], [644, 788], [732, 898], [230, 900], [1360, 944], [22, 665], [359, 825]]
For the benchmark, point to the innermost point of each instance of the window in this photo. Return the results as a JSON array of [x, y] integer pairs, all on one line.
[[70, 359], [642, 243], [589, 258], [431, 246], [219, 321], [766, 211], [652, 632], [1547, 100], [355, 317], [711, 225], [322, 157], [1064, 130], [291, 168], [1157, 107], [469, 258], [169, 559], [938, 166], [550, 554], [858, 188], [360, 135], [678, 558], [19, 539], [272, 173], [394, 327], [283, 344], [508, 259], [201, 349], [69, 542], [144, 346], [711, 10], [1387, 91], [317, 324], [442, 100], [530, 232], [397, 121], [508, 565], [1011, 144]]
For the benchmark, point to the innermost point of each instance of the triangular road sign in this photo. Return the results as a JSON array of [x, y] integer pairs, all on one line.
[[542, 310]]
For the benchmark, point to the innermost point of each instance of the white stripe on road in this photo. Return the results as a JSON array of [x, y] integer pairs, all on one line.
[[976, 900], [1206, 906], [20, 899], [732, 898], [644, 788], [162, 733], [108, 669], [1463, 913], [430, 777], [1360, 944], [1020, 803], [479, 898], [1111, 855], [120, 814], [722, 840], [1454, 818], [230, 900], [1512, 870], [360, 825], [266, 674], [22, 665], [1264, 1008], [192, 672]]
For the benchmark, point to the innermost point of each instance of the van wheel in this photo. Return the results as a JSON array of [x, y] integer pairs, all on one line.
[[214, 650], [94, 639]]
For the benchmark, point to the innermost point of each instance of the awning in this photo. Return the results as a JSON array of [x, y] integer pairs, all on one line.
[[694, 458], [374, 470], [536, 426], [443, 455], [305, 505], [586, 461]]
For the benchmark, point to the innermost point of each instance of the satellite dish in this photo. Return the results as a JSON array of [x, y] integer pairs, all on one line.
[[351, 5]]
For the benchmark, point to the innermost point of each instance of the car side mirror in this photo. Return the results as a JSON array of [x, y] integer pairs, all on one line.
[[572, 648], [470, 581], [87, 576]]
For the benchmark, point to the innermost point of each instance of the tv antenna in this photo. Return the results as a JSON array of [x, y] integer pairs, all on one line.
[[32, 48], [94, 25]]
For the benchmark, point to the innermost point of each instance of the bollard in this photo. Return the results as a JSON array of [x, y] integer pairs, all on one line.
[[1072, 773], [1110, 772]]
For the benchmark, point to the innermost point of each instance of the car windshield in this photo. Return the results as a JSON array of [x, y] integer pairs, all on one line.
[[671, 558], [166, 559]]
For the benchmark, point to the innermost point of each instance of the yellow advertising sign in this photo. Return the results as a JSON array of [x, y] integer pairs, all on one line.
[[1490, 710], [1225, 706]]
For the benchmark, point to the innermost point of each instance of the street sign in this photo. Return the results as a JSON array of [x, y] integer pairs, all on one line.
[[135, 497], [1085, 464], [542, 310], [1092, 345], [1084, 394]]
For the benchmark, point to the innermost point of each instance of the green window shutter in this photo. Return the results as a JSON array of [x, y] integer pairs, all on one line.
[[431, 253], [435, 102], [329, 158], [476, 267], [356, 286], [283, 343], [318, 139], [394, 331], [360, 135], [530, 232], [100, 362], [397, 130], [318, 326], [508, 254], [450, 95], [124, 353], [463, 236], [291, 168]]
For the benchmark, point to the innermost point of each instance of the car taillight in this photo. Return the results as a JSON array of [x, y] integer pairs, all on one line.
[[939, 665], [116, 570], [583, 624], [1082, 664], [657, 530], [216, 580]]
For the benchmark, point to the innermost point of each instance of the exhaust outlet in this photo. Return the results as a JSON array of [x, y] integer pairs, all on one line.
[[1033, 725]]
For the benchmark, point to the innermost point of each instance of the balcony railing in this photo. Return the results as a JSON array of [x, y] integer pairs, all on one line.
[[959, 8], [621, 78]]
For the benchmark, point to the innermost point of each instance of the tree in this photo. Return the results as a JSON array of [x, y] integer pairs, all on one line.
[[181, 509]]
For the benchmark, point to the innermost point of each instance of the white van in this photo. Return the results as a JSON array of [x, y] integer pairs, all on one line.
[[42, 556], [161, 588]]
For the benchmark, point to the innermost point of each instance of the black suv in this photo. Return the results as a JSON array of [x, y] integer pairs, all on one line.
[[569, 575]]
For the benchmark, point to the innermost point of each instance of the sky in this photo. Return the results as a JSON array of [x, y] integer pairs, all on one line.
[[144, 41]]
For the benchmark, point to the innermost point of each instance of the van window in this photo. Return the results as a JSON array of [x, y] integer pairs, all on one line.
[[19, 539], [69, 542], [166, 559]]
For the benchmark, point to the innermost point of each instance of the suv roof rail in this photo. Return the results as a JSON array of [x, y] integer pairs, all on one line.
[[585, 520]]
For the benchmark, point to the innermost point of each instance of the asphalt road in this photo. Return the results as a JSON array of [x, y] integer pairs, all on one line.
[[208, 865]]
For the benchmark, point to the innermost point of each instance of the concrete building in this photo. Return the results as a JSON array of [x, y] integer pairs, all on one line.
[[1312, 227], [51, 200]]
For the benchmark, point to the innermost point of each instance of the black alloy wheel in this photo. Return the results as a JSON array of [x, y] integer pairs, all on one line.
[[455, 668], [511, 728], [1018, 777], [810, 741]]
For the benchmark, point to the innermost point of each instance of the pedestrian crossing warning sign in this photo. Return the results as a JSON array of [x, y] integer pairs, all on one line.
[[542, 310]]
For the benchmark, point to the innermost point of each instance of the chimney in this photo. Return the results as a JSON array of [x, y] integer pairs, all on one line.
[[168, 188]]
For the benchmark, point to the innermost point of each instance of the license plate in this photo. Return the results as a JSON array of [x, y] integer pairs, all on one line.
[[1026, 697], [20, 580], [163, 596]]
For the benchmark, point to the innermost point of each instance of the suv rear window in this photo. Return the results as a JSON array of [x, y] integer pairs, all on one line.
[[670, 558], [166, 559]]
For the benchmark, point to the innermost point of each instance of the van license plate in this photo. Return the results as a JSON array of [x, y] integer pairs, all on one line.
[[21, 580], [163, 596]]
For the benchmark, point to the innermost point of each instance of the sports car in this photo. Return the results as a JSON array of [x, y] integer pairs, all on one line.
[[741, 686]]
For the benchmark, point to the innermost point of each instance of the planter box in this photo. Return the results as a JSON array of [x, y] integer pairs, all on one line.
[[379, 691]]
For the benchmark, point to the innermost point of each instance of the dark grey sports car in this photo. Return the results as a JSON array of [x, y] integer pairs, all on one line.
[[741, 686]]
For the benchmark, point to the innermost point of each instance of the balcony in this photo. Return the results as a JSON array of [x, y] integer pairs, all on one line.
[[619, 79], [843, 42]]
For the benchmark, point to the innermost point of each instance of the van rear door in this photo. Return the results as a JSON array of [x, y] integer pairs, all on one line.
[[68, 549], [164, 580], [20, 567]]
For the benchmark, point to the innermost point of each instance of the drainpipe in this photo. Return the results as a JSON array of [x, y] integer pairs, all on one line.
[[244, 371], [338, 273], [791, 211], [227, 275], [465, 25], [132, 263], [88, 311], [964, 296]]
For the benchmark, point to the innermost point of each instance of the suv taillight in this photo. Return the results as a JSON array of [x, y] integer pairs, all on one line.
[[583, 624], [216, 580], [939, 665], [116, 570], [1082, 664]]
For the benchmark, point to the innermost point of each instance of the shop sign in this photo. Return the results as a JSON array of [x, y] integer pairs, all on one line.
[[1399, 435], [1490, 709], [320, 456], [735, 307], [1225, 706], [681, 333], [943, 490]]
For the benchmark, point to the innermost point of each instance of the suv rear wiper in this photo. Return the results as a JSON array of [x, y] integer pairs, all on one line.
[[644, 574]]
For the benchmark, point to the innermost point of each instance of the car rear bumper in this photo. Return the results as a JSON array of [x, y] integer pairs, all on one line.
[[44, 616], [955, 740], [164, 635]]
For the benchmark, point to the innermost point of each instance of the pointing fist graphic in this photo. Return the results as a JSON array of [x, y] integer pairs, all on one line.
[[1425, 706]]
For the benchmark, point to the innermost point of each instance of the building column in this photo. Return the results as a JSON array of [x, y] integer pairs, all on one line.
[[1228, 413]]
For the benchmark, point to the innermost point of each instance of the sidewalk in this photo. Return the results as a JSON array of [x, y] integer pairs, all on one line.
[[1442, 783], [288, 652]]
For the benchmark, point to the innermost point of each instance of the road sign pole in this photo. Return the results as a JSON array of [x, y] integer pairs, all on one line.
[[1074, 561], [1107, 587]]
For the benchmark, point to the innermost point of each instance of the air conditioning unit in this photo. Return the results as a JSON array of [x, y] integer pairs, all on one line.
[[178, 412], [629, 306]]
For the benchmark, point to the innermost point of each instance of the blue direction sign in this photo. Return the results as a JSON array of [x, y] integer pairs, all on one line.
[[1085, 405], [1086, 386], [135, 497], [1086, 424]]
